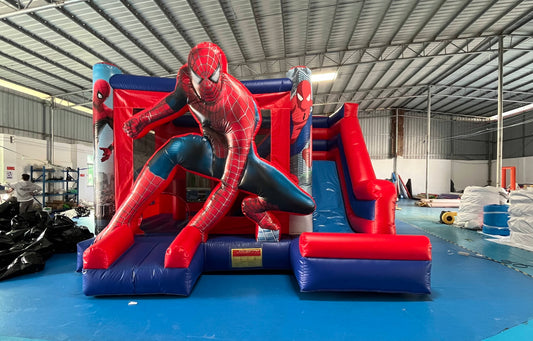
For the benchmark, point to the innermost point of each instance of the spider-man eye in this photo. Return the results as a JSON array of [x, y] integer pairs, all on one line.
[[196, 80], [309, 97], [300, 98], [99, 95], [216, 75]]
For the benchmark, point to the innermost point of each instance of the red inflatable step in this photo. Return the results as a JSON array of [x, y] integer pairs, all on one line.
[[365, 246]]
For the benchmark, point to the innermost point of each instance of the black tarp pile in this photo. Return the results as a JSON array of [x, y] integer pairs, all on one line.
[[27, 240]]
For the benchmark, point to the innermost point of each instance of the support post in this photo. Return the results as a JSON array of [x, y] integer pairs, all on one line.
[[499, 138], [52, 138], [428, 137], [396, 156]]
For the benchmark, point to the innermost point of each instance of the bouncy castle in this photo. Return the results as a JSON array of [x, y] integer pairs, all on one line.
[[282, 190]]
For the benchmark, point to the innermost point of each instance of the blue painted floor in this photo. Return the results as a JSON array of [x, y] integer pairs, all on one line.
[[475, 297]]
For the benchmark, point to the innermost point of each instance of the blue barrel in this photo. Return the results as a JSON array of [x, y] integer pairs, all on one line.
[[495, 218]]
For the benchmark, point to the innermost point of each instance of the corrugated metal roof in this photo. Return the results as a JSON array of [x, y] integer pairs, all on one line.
[[386, 52]]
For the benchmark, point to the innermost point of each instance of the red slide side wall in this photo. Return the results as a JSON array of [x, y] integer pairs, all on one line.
[[365, 186]]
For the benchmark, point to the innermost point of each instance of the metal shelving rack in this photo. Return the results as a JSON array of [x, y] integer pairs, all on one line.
[[70, 181]]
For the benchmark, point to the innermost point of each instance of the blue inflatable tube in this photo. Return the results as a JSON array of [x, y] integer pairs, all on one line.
[[146, 83]]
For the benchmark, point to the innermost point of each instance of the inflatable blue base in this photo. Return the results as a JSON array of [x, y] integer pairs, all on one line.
[[141, 271], [375, 275]]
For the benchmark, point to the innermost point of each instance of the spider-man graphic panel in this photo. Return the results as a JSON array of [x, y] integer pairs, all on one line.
[[104, 144]]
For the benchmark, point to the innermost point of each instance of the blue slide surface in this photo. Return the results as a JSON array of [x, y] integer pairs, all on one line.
[[329, 215]]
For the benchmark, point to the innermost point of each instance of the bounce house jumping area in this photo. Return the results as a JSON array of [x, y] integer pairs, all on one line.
[[349, 243]]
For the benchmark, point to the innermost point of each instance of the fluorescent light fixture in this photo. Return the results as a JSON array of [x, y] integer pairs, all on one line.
[[323, 77], [23, 89], [513, 112], [43, 96]]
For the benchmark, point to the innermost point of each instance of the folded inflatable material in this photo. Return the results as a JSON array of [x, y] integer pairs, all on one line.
[[27, 263], [33, 239], [365, 246], [8, 210]]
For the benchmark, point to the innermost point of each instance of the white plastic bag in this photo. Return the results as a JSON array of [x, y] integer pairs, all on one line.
[[474, 198], [521, 218]]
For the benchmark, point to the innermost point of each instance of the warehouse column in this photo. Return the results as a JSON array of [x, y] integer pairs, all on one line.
[[428, 137], [499, 138]]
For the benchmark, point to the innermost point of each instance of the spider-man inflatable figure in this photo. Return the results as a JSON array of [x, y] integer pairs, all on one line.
[[229, 120]]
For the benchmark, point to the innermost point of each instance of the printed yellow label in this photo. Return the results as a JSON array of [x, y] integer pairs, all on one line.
[[247, 258]]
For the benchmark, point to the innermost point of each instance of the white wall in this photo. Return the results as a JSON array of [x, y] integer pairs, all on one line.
[[21, 153], [469, 173], [79, 157], [524, 169], [463, 173]]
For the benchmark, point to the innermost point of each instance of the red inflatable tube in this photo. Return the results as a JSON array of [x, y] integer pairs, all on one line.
[[326, 133], [359, 165], [105, 252], [180, 253], [384, 193], [365, 246]]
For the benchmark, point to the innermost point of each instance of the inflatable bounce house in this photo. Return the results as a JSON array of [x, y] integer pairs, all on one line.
[[251, 143]]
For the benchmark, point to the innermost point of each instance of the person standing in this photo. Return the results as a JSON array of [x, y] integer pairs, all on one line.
[[24, 192]]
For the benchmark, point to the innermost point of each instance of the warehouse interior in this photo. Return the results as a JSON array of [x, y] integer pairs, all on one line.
[[445, 95]]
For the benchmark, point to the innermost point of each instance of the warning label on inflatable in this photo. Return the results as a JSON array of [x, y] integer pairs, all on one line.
[[247, 258]]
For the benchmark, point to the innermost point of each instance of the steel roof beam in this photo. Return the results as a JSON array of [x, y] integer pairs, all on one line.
[[153, 32], [32, 67], [177, 25], [27, 76], [46, 59], [256, 17], [46, 43], [468, 59], [25, 9], [441, 47], [98, 36], [203, 23], [421, 27], [128, 35], [228, 14]]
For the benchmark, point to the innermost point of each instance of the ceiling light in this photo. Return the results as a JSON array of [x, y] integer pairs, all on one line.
[[43, 96], [513, 112], [323, 77]]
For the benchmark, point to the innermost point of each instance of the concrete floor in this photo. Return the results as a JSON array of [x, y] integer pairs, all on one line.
[[474, 297]]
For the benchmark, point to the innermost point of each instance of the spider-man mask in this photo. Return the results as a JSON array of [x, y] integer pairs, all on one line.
[[207, 62], [101, 91]]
